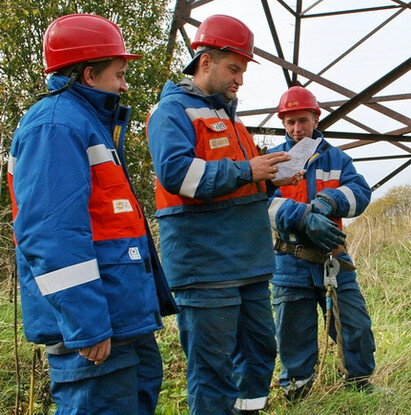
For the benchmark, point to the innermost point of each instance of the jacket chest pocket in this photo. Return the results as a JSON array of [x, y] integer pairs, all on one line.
[[111, 188], [108, 175], [114, 210], [216, 140]]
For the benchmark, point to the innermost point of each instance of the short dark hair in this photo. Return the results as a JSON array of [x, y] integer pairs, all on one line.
[[97, 66], [216, 55]]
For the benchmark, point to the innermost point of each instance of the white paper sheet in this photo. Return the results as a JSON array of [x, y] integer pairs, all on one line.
[[299, 153]]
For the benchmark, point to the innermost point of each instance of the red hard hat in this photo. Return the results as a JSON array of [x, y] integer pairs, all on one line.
[[223, 32], [80, 38], [297, 98]]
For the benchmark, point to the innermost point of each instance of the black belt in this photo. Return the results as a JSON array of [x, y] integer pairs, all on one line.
[[308, 254]]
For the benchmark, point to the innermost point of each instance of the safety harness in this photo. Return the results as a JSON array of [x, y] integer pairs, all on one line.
[[308, 254], [69, 84]]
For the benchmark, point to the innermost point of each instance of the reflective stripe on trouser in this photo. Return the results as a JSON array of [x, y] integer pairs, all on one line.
[[127, 383], [228, 336], [297, 331]]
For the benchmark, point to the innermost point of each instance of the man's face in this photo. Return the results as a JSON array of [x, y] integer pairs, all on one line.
[[299, 124], [112, 78], [226, 76]]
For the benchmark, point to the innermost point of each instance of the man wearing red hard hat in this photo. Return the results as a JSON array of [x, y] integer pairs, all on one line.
[[307, 218], [92, 287], [215, 234]]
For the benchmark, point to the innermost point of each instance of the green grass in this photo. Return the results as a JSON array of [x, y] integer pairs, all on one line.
[[380, 244]]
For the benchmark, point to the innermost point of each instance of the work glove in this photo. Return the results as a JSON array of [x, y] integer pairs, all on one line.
[[321, 205], [323, 232]]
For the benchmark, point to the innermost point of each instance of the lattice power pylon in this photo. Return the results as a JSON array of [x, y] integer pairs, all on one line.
[[344, 106]]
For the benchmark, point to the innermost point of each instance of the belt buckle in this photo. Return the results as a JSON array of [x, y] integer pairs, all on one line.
[[277, 244], [297, 250]]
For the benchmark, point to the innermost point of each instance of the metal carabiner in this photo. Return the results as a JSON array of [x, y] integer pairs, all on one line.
[[331, 270]]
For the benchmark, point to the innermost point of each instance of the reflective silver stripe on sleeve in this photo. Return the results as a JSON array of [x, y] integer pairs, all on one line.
[[326, 176], [251, 404], [273, 209], [205, 113], [68, 277], [11, 164], [191, 181], [100, 154], [351, 200]]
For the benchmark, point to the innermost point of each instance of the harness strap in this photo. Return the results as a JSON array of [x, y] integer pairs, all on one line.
[[66, 87], [308, 254]]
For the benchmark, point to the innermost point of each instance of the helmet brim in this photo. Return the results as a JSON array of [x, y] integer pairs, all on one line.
[[190, 68], [315, 111], [126, 56], [132, 56]]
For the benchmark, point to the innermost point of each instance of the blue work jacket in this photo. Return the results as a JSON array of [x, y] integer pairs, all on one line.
[[213, 221], [329, 172], [87, 265]]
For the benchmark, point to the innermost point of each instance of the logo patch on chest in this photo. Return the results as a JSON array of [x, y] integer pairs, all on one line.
[[219, 142], [134, 253], [218, 126], [122, 205]]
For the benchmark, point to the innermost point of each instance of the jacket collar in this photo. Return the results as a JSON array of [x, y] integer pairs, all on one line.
[[104, 103], [214, 100]]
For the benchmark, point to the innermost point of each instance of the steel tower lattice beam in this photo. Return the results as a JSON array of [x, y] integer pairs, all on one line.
[[338, 108]]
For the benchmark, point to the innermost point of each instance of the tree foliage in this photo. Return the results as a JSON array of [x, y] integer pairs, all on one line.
[[144, 24]]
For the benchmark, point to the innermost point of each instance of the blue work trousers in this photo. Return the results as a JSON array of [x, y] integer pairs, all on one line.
[[127, 383], [228, 336], [297, 331]]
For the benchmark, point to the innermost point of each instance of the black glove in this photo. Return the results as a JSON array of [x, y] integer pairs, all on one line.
[[323, 232]]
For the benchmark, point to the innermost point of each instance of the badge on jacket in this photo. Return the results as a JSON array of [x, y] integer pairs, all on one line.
[[218, 126], [134, 253], [122, 205], [219, 142]]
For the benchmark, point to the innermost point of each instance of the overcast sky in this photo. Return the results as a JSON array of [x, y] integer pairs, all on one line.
[[323, 40]]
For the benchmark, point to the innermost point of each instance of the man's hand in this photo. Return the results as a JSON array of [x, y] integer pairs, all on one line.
[[264, 167], [97, 353], [290, 181]]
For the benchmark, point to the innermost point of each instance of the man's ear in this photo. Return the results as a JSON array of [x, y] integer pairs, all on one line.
[[205, 62], [317, 119], [88, 76]]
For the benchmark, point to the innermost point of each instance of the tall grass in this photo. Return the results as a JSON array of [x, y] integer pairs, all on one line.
[[380, 244]]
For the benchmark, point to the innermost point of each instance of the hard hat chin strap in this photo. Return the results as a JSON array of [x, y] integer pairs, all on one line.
[[69, 84]]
